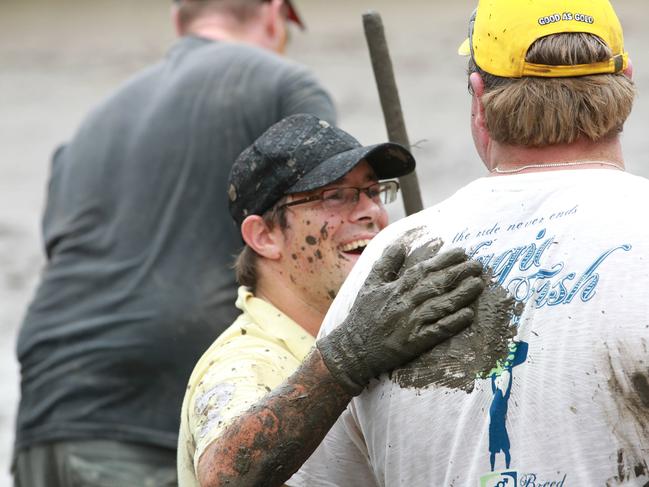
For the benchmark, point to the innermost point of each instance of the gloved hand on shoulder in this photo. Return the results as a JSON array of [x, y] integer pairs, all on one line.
[[400, 313]]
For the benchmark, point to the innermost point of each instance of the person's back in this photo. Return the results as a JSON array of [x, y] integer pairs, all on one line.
[[140, 243], [557, 225], [569, 402]]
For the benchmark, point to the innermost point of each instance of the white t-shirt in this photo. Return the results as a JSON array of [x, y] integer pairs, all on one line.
[[572, 407]]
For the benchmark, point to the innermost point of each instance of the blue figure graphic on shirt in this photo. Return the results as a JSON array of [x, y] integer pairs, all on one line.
[[498, 437]]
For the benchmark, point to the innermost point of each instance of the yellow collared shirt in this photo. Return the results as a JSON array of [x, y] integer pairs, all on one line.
[[259, 351]]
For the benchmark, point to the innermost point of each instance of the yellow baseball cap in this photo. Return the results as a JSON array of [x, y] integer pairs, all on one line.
[[501, 32]]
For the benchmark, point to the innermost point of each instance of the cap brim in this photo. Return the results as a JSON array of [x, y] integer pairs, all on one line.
[[388, 160], [293, 15], [465, 48]]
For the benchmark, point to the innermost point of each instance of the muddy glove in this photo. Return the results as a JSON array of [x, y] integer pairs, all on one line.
[[401, 313]]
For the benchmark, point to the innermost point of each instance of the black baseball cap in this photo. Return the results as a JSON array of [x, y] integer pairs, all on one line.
[[302, 153]]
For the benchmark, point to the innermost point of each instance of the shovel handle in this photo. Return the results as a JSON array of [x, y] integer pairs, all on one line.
[[390, 103]]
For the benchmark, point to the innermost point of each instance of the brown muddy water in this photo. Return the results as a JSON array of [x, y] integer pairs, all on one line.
[[60, 57]]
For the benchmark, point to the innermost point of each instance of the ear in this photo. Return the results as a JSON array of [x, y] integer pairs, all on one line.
[[273, 23], [477, 108], [260, 238], [175, 19], [628, 72], [479, 130]]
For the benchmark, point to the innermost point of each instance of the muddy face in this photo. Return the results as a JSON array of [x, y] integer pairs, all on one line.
[[472, 353], [322, 246]]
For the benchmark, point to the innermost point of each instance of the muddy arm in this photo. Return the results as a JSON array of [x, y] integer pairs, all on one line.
[[401, 312], [268, 443]]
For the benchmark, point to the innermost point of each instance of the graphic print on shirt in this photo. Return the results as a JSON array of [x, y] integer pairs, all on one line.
[[533, 280], [537, 277], [501, 386]]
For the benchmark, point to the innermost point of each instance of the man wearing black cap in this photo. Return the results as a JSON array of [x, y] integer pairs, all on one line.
[[308, 199], [140, 246]]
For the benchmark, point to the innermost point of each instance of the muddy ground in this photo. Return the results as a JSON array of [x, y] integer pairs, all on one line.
[[60, 57]]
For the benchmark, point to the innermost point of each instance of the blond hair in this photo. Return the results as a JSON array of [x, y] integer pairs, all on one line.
[[538, 112]]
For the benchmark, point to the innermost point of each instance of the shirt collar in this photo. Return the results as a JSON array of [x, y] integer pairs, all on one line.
[[297, 340]]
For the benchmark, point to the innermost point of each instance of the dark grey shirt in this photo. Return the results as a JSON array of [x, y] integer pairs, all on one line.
[[140, 243]]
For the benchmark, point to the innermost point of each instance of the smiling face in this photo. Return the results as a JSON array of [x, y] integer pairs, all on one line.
[[321, 246]]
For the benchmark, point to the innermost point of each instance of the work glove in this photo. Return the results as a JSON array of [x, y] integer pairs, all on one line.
[[400, 312]]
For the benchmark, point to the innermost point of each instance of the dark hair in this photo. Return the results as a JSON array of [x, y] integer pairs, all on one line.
[[536, 112], [245, 266]]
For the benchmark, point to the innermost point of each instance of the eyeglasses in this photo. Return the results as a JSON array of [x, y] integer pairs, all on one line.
[[340, 198]]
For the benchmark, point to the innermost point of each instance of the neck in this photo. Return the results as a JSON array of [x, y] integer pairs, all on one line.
[[227, 30], [217, 32], [582, 154], [286, 297]]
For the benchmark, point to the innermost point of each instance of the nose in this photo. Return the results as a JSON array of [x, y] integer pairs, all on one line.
[[367, 210]]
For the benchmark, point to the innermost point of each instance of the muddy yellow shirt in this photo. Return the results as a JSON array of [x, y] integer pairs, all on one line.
[[260, 350]]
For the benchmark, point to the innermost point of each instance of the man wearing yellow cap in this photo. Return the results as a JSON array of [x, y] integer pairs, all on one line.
[[560, 225]]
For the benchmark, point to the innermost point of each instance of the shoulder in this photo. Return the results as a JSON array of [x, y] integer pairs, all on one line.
[[247, 345], [247, 54]]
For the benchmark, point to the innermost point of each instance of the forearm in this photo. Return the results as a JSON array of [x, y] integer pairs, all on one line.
[[265, 445]]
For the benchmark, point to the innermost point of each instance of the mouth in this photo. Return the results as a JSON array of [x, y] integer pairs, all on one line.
[[355, 247]]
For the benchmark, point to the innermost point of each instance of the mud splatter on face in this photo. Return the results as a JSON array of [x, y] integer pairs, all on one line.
[[331, 294], [310, 259], [294, 256], [474, 352], [311, 240], [318, 254], [324, 233]]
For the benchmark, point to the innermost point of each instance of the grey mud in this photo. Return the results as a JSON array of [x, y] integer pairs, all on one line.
[[629, 386], [474, 352]]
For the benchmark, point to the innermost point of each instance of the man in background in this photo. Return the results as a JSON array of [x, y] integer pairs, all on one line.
[[558, 223], [308, 198], [139, 245]]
